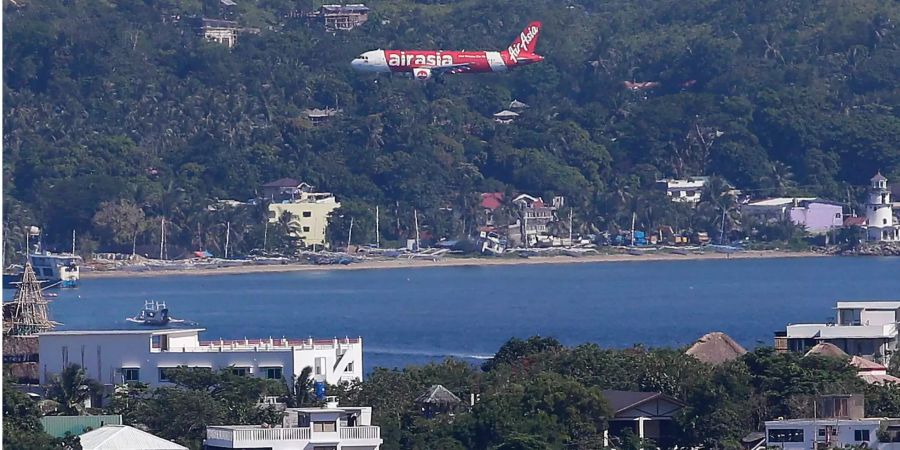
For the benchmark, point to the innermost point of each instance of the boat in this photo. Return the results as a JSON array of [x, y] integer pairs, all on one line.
[[57, 269], [154, 313]]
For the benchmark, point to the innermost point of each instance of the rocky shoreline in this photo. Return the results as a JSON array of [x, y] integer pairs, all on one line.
[[867, 249]]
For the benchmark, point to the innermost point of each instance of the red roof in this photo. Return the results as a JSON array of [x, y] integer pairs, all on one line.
[[854, 221], [491, 200]]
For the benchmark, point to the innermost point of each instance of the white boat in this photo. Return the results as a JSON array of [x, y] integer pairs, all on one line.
[[57, 269], [154, 313]]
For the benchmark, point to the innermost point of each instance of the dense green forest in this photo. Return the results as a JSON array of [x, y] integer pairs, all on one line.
[[535, 394], [114, 109]]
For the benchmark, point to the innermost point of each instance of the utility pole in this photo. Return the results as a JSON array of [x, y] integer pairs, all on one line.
[[349, 234], [266, 236], [227, 237], [377, 236], [416, 217]]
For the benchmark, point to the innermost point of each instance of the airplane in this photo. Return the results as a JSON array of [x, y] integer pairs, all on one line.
[[425, 64]]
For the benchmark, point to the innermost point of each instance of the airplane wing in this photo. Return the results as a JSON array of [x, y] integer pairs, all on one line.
[[449, 68]]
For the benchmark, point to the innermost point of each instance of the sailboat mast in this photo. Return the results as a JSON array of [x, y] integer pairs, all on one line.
[[416, 217], [73, 242], [377, 235], [227, 237], [633, 219], [349, 234], [162, 240]]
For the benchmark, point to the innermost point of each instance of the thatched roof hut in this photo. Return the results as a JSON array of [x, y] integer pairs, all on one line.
[[716, 348]]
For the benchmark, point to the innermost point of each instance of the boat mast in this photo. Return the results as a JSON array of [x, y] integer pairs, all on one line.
[[162, 240], [416, 217], [227, 237], [73, 242], [377, 236], [349, 234], [633, 218]]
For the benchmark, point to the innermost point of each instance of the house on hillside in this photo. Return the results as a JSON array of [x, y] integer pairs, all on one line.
[[437, 400], [683, 191], [215, 30], [817, 215], [649, 415], [122, 436], [490, 202], [340, 17], [506, 116], [318, 116]]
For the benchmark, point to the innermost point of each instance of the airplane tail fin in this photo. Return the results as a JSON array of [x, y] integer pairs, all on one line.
[[526, 42]]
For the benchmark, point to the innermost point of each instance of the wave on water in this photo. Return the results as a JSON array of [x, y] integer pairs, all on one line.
[[426, 353]]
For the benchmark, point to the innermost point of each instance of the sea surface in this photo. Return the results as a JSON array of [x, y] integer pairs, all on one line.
[[417, 315]]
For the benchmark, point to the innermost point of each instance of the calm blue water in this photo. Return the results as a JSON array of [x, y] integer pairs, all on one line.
[[411, 316]]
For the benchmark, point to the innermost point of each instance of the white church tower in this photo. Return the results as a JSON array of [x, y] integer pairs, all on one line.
[[880, 212]]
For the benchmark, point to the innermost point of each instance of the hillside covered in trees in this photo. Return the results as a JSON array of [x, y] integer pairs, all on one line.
[[118, 107]]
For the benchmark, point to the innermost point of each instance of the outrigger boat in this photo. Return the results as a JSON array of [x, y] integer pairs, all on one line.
[[154, 313]]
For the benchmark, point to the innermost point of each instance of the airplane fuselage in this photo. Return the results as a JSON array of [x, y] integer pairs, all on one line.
[[421, 63]]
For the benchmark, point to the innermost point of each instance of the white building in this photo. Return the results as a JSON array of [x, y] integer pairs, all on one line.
[[841, 422], [880, 212], [683, 191], [328, 428], [867, 329], [805, 434], [118, 356]]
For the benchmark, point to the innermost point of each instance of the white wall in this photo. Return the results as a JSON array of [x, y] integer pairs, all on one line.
[[106, 354], [845, 432]]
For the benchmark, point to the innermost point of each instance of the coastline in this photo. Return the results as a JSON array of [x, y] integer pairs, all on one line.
[[403, 263]]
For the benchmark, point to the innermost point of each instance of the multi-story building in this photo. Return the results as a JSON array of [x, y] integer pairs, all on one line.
[[341, 17], [121, 356], [866, 329], [683, 191], [841, 422], [331, 427], [309, 216], [880, 224]]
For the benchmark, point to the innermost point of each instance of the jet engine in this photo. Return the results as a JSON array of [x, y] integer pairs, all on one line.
[[422, 74]]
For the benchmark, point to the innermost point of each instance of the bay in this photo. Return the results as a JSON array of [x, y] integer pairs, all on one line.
[[416, 315]]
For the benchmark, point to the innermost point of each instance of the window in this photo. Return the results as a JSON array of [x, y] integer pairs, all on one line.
[[349, 367], [164, 374], [861, 435], [837, 215], [306, 229], [320, 366], [272, 373], [307, 213], [786, 435], [324, 427], [240, 371], [885, 221], [131, 374]]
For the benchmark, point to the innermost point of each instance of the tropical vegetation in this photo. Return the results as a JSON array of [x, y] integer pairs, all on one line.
[[117, 116]]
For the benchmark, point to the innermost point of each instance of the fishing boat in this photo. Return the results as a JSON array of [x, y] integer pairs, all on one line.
[[154, 313], [54, 269]]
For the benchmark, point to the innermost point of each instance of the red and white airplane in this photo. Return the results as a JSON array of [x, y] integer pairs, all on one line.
[[423, 64]]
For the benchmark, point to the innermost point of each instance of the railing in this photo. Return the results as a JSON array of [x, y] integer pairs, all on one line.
[[257, 434], [368, 432], [261, 345]]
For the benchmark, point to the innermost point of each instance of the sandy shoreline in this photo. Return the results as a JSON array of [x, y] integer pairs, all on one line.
[[402, 263]]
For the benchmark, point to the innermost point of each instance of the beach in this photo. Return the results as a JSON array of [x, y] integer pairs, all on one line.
[[447, 261]]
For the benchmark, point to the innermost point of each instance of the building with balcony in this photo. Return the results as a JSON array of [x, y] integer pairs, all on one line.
[[331, 427], [309, 213], [120, 356], [340, 17], [866, 329]]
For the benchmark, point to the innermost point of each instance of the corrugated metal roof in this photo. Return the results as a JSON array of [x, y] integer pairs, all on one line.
[[58, 426], [122, 437]]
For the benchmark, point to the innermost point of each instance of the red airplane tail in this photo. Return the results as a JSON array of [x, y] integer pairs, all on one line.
[[526, 43]]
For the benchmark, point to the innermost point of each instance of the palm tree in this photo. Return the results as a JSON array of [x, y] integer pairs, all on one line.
[[71, 388], [301, 391]]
